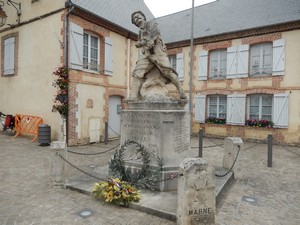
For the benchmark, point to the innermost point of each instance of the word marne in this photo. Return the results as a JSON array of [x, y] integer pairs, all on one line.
[[204, 211]]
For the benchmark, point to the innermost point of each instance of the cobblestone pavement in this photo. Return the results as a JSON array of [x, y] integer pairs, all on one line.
[[28, 198]]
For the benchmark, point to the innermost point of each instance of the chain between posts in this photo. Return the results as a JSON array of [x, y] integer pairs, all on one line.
[[225, 174], [97, 153], [82, 171], [172, 177]]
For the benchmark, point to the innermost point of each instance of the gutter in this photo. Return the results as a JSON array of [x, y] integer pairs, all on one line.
[[68, 4]]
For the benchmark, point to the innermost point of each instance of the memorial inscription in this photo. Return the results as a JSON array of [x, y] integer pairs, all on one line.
[[142, 127]]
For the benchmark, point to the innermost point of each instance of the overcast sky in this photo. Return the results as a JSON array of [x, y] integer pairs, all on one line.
[[164, 7]]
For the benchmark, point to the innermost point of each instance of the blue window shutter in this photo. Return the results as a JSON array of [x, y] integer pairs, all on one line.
[[278, 57], [202, 65], [281, 110], [236, 104], [243, 61], [108, 68], [180, 66], [237, 61], [200, 104], [232, 62], [9, 56], [76, 46]]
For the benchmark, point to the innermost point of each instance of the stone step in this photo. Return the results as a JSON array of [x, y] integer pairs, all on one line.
[[162, 204]]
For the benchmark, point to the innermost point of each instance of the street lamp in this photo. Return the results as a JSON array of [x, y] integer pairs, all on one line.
[[3, 15], [14, 4]]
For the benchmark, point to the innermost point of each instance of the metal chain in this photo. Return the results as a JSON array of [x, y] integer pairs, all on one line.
[[237, 154], [172, 177], [82, 171], [97, 153], [113, 131]]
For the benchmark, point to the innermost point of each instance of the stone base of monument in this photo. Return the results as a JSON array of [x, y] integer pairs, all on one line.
[[163, 177], [162, 127]]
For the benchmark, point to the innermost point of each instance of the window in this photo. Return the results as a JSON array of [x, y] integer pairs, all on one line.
[[172, 59], [177, 63], [261, 59], [90, 52], [260, 107], [217, 106], [218, 62], [9, 53]]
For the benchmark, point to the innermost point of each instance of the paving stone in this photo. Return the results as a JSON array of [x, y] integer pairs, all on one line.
[[27, 196]]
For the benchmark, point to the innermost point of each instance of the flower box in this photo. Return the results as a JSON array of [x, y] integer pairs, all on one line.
[[259, 123]]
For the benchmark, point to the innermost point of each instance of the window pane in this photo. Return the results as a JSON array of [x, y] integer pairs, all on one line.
[[90, 52], [85, 39], [267, 58], [266, 110], [85, 63], [94, 42], [172, 59], [218, 63], [94, 53], [254, 101], [261, 56], [213, 100], [266, 100], [85, 51], [93, 65]]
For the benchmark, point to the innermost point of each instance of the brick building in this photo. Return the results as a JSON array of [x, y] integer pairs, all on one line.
[[246, 63]]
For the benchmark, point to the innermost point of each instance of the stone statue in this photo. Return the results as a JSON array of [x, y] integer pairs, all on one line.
[[153, 71]]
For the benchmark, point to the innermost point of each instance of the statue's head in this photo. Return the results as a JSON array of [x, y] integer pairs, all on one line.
[[136, 15]]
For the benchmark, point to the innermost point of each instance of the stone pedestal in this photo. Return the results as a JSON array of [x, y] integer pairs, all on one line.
[[57, 165], [163, 128], [196, 202], [232, 145]]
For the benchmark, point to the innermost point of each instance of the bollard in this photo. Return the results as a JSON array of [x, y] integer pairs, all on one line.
[[233, 147], [270, 140], [200, 134], [57, 165], [196, 202], [106, 133]]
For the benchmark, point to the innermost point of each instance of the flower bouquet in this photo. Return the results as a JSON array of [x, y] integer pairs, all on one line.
[[116, 191]]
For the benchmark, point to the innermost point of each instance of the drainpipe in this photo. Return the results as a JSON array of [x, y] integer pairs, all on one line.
[[70, 6], [128, 66]]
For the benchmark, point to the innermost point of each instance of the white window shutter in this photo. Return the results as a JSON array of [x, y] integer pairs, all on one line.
[[243, 61], [76, 46], [9, 56], [236, 109], [200, 104], [202, 65], [278, 57], [109, 62], [281, 110], [180, 66], [232, 62]]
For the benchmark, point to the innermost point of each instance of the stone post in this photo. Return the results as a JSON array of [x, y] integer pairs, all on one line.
[[232, 145], [196, 203], [57, 165]]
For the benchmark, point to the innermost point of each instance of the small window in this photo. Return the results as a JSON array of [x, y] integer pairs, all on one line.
[[260, 107], [218, 64], [172, 59], [90, 52], [261, 59], [9, 53], [217, 106]]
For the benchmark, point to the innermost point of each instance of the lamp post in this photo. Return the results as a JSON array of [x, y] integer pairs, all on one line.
[[3, 15], [14, 4], [191, 67]]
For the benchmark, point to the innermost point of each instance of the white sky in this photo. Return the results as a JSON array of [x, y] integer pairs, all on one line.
[[164, 7]]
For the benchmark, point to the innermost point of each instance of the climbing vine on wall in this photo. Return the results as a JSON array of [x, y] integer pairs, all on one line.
[[61, 98]]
